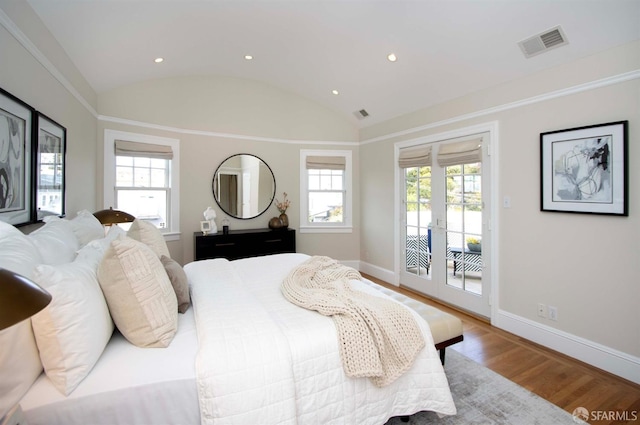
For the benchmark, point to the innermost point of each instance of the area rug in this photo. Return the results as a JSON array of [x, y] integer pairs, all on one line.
[[485, 397]]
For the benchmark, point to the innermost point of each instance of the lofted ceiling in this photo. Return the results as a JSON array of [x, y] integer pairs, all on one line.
[[445, 48]]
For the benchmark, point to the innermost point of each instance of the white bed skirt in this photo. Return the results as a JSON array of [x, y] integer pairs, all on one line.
[[128, 385]]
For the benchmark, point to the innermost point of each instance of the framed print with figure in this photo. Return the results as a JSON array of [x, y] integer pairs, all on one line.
[[16, 119], [584, 169]]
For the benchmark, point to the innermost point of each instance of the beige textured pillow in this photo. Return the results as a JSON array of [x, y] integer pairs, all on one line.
[[139, 294], [179, 281], [149, 235]]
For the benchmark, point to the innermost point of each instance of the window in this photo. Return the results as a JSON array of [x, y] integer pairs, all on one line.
[[141, 178], [325, 191]]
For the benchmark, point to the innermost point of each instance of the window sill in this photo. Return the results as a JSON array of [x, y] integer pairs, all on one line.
[[326, 229], [171, 236]]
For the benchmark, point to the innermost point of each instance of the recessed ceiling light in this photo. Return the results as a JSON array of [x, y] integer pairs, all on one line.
[[158, 60], [336, 92], [248, 57], [392, 57]]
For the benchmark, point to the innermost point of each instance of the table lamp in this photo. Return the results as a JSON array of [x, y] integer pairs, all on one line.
[[20, 298], [110, 216]]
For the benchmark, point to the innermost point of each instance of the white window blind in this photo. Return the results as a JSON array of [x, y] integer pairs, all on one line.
[[143, 150], [467, 152], [326, 163], [415, 157]]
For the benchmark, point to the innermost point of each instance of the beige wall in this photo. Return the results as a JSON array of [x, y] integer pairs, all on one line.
[[585, 265], [30, 80], [258, 119]]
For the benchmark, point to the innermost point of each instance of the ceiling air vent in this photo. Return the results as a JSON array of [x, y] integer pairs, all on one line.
[[361, 114], [540, 43]]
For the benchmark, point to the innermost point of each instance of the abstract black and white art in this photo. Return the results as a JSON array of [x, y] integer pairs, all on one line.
[[584, 169], [15, 159]]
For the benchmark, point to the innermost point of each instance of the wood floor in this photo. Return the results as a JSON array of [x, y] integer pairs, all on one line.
[[563, 381]]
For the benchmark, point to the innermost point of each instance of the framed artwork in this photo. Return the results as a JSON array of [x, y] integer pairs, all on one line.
[[584, 169], [16, 118], [49, 164], [205, 227]]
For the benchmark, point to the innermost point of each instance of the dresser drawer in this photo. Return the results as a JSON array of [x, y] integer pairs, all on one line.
[[243, 243]]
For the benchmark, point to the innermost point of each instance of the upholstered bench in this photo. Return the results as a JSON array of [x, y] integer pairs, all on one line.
[[445, 328]]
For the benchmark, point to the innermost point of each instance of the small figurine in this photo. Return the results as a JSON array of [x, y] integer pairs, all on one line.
[[210, 216]]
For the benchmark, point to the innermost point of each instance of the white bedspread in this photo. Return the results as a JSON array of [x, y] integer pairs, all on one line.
[[263, 360]]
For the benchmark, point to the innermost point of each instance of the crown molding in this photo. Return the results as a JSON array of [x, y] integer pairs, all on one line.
[[603, 82], [178, 130], [21, 37]]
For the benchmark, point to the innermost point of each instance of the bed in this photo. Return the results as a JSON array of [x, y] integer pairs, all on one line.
[[242, 354]]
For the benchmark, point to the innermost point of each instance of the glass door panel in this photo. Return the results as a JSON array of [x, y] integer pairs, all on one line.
[[441, 233], [464, 227], [417, 252]]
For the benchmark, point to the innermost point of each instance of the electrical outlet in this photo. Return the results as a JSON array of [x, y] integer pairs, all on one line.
[[542, 310], [553, 313]]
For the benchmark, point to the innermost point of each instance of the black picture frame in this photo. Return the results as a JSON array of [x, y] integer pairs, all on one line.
[[16, 168], [50, 147], [585, 169]]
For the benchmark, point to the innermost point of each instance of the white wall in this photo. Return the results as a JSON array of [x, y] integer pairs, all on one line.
[[585, 265], [215, 117], [50, 84]]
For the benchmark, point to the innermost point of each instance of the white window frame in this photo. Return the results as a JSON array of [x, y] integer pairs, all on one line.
[[172, 232], [347, 209]]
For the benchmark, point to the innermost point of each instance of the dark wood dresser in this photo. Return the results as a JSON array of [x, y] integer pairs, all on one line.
[[244, 243]]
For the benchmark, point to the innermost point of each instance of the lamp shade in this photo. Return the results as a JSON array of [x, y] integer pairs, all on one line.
[[111, 216], [20, 298]]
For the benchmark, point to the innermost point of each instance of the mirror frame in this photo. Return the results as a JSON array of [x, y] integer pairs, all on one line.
[[214, 186]]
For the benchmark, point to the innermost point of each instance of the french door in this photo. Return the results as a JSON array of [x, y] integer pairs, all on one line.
[[445, 243]]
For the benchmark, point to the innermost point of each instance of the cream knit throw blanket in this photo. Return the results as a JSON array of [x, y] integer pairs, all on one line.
[[378, 337]]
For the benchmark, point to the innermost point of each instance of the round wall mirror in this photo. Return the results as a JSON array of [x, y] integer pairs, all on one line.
[[244, 186]]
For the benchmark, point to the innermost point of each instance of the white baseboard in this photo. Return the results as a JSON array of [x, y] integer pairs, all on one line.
[[592, 353], [378, 272]]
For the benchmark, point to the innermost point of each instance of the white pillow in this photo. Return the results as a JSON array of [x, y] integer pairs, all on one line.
[[55, 241], [73, 330], [139, 294], [86, 227], [149, 235], [94, 250], [19, 359], [7, 229], [19, 254]]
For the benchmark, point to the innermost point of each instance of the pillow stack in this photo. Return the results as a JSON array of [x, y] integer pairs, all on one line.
[[151, 236], [144, 288], [126, 278], [73, 330], [139, 294]]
